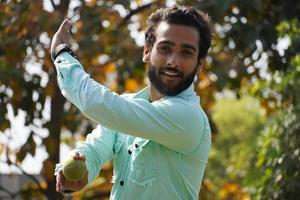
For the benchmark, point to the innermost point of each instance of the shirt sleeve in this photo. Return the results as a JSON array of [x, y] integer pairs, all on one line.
[[171, 122], [98, 149]]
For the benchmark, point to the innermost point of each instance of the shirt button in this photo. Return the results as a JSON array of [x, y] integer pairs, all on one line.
[[129, 152], [121, 183]]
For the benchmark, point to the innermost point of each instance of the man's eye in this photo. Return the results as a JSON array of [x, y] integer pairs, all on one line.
[[187, 53], [164, 48]]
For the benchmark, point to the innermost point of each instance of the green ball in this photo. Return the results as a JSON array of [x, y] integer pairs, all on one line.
[[74, 170]]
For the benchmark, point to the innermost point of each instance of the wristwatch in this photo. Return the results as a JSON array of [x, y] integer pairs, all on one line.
[[60, 49]]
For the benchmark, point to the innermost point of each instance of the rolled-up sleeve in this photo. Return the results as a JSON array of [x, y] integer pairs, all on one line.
[[98, 149], [172, 122]]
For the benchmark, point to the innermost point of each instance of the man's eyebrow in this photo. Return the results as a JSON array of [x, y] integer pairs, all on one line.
[[167, 42], [188, 46]]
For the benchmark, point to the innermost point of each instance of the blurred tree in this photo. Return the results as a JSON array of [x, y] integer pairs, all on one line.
[[278, 155], [257, 46], [102, 30], [246, 53], [230, 162]]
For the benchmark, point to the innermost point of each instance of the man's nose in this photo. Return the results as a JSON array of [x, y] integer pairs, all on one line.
[[173, 60]]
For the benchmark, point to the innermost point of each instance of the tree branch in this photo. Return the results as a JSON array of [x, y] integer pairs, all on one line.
[[26, 174], [136, 11], [53, 5], [12, 195]]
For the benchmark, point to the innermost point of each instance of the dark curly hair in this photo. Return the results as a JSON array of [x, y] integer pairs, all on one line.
[[181, 15]]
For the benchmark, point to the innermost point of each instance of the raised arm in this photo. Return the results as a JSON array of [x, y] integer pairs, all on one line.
[[170, 121]]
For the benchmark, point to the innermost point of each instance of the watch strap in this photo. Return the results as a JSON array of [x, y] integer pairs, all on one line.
[[60, 49]]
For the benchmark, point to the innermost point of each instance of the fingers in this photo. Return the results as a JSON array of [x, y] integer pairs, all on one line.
[[65, 26], [78, 156], [62, 36], [63, 33], [60, 182], [63, 185]]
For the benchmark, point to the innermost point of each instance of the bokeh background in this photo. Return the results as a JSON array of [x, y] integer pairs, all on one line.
[[249, 87]]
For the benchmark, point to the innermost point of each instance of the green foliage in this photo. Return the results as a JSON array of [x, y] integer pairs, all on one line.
[[239, 123], [278, 156], [245, 32], [251, 31], [28, 78]]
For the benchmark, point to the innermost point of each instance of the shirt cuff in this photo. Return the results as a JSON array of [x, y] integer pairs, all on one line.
[[58, 168]]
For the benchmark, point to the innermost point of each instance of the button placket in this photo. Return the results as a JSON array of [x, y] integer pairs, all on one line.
[[129, 151], [131, 148]]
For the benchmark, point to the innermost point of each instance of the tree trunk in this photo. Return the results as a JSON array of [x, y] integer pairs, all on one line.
[[52, 143]]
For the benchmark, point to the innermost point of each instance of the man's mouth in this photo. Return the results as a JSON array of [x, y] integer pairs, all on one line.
[[171, 72]]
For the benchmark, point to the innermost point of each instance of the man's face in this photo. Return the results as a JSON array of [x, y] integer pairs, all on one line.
[[173, 58]]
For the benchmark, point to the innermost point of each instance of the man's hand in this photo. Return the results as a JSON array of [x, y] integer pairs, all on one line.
[[62, 35], [63, 184]]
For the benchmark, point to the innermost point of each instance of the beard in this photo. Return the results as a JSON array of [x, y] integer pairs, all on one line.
[[170, 89]]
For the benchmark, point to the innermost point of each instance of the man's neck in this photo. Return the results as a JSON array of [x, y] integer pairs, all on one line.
[[155, 94]]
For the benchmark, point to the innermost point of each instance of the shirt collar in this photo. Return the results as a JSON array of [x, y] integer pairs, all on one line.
[[144, 93]]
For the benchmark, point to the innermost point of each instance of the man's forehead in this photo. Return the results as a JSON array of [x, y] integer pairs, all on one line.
[[177, 33]]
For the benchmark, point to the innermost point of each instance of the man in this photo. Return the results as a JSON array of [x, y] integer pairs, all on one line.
[[158, 138]]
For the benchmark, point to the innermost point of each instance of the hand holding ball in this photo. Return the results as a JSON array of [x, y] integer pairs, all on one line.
[[74, 169]]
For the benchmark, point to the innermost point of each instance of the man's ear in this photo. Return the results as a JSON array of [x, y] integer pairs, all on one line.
[[201, 64], [146, 53]]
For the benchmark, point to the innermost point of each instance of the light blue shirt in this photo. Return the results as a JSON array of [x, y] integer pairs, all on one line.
[[159, 149]]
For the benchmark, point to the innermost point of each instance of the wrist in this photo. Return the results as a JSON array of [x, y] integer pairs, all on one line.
[[59, 49]]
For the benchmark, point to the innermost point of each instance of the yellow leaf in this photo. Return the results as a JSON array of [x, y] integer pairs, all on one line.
[[245, 196], [82, 138], [50, 89], [209, 185], [22, 32], [138, 2], [95, 61], [78, 24], [222, 194], [91, 3], [7, 29], [43, 184], [48, 169], [113, 19], [228, 189], [110, 68], [232, 188], [6, 10], [131, 85]]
